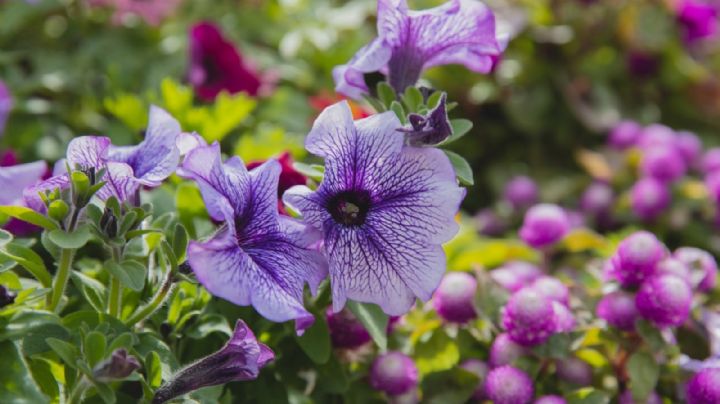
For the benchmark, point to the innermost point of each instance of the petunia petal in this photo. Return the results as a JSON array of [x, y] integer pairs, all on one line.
[[88, 151], [14, 180], [350, 78]]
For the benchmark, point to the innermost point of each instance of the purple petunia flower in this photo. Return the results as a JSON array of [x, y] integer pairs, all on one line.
[[119, 366], [6, 103], [505, 351], [258, 257], [704, 387], [240, 359], [384, 209], [216, 65], [509, 385], [13, 181], [699, 20], [454, 298], [649, 198], [394, 373], [619, 310], [408, 42], [544, 224]]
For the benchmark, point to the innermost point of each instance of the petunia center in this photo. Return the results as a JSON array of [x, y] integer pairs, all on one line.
[[350, 207]]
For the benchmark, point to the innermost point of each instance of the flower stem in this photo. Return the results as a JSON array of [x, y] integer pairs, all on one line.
[[78, 391], [115, 296], [157, 300], [61, 278]]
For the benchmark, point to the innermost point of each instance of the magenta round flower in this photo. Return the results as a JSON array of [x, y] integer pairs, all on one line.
[[627, 398], [665, 300], [690, 147], [575, 371], [454, 298], [618, 309], [704, 387], [702, 266], [712, 183], [479, 369], [509, 385], [699, 19], [636, 257], [544, 224], [597, 199], [394, 373], [673, 266], [664, 163], [649, 198], [551, 288], [505, 351], [711, 160], [529, 317], [515, 275], [624, 135], [564, 319], [521, 192], [551, 399], [346, 331], [656, 135]]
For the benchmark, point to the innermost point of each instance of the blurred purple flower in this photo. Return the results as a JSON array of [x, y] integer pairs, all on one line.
[[690, 147], [618, 309], [152, 11], [521, 192], [515, 275], [529, 318], [258, 257], [574, 370], [394, 373], [505, 351], [699, 20], [627, 398], [711, 160], [509, 385], [384, 209], [240, 359], [346, 331], [656, 135], [13, 181], [564, 318], [408, 42], [664, 163], [454, 299], [624, 135], [665, 300], [550, 399], [479, 369], [597, 199], [636, 257], [6, 103], [544, 224], [489, 223], [673, 266], [649, 198], [642, 64], [216, 65], [702, 267], [704, 387], [289, 176], [551, 288]]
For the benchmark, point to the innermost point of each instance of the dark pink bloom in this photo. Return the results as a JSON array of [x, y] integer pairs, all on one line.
[[699, 20]]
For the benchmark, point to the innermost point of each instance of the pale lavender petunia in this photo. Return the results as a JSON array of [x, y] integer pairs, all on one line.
[[14, 179], [409, 41], [384, 209], [257, 258]]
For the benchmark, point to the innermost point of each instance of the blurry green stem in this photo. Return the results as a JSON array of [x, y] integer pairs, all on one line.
[[115, 297], [78, 391], [157, 300], [64, 268]]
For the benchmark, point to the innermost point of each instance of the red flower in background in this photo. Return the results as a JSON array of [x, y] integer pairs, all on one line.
[[216, 65], [289, 177], [325, 99]]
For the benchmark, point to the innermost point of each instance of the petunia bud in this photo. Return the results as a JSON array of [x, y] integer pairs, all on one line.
[[6, 297], [108, 223], [551, 399], [664, 163], [346, 331], [618, 309], [505, 351], [665, 300], [704, 387], [702, 266], [575, 371], [509, 385], [431, 129], [544, 224], [394, 373], [119, 366], [521, 192], [528, 317], [649, 198], [627, 398], [454, 298], [636, 257], [240, 359], [479, 369], [624, 135]]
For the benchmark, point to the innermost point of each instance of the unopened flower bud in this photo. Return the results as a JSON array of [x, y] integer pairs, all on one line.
[[119, 366]]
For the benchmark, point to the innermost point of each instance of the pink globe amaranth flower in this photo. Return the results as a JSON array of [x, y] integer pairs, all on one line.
[[394, 373], [656, 135], [664, 163], [454, 298], [515, 275], [509, 385], [489, 223], [649, 198], [624, 135], [505, 351], [216, 65], [575, 371], [673, 266], [704, 387], [564, 319], [544, 224], [619, 310], [552, 288], [597, 199], [690, 147], [698, 19], [346, 331], [479, 369], [521, 192], [551, 399], [636, 257], [529, 317], [665, 300], [703, 269], [711, 160], [627, 398]]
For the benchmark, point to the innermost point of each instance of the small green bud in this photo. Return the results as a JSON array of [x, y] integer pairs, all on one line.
[[58, 210]]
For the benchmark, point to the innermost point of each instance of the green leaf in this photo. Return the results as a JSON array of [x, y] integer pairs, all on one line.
[[94, 347], [437, 353], [190, 205], [556, 347], [650, 334], [127, 222], [30, 216], [125, 340], [588, 395], [16, 382], [207, 325], [334, 377], [386, 94], [644, 373], [130, 273], [180, 242], [24, 322], [5, 238], [692, 343], [74, 240], [454, 386], [398, 109], [374, 320], [106, 393], [434, 99], [42, 374], [66, 351], [412, 99], [315, 342], [129, 109], [29, 260], [153, 369], [460, 128], [91, 289], [313, 171], [463, 171]]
